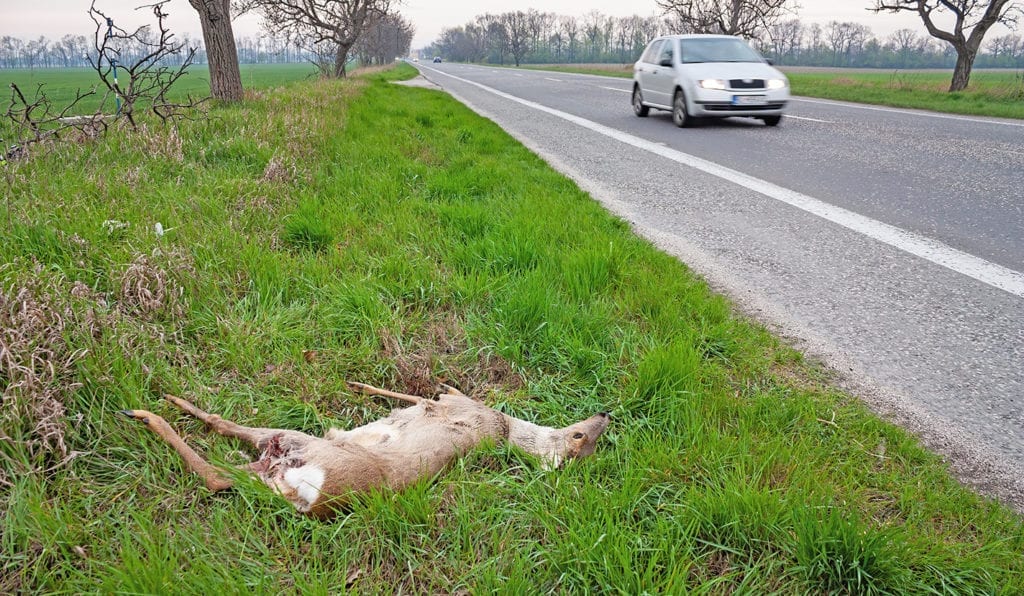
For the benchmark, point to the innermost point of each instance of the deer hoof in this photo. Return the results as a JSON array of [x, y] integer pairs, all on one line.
[[134, 415]]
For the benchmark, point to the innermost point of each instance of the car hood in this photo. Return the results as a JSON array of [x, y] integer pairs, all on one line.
[[731, 70]]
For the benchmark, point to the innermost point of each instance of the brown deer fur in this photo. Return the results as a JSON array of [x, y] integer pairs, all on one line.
[[318, 475]]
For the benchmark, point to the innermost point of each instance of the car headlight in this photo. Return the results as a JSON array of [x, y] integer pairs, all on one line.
[[777, 83], [712, 84]]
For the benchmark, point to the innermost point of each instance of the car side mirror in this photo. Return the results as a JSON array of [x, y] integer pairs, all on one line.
[[666, 62], [770, 61]]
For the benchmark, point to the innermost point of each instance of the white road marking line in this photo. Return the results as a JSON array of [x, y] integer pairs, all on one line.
[[902, 111], [995, 275], [550, 79], [806, 118], [616, 89]]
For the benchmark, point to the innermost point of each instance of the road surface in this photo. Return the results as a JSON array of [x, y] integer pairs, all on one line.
[[888, 243]]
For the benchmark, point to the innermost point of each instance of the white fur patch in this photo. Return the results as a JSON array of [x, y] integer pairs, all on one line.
[[307, 482]]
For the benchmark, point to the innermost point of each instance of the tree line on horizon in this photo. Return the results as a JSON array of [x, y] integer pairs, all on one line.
[[547, 38], [539, 37], [379, 45]]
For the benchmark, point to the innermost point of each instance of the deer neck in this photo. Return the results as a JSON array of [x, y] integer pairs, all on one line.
[[533, 438]]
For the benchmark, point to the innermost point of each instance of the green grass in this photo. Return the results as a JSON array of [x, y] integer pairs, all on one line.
[[991, 93], [360, 230]]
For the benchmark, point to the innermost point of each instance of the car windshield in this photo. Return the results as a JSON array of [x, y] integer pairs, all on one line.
[[717, 50]]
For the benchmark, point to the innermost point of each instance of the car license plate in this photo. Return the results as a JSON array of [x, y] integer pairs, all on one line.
[[749, 100]]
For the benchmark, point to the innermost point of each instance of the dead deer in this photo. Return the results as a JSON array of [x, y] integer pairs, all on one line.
[[318, 476]]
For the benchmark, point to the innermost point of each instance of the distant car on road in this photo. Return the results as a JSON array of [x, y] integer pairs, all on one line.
[[707, 76], [415, 59], [437, 59]]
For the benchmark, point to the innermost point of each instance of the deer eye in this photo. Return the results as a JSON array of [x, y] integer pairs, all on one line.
[[577, 435]]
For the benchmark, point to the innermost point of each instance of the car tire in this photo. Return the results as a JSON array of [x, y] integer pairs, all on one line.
[[680, 117], [772, 120], [638, 103]]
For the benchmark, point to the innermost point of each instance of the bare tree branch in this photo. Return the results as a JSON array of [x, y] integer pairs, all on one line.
[[144, 79], [747, 18]]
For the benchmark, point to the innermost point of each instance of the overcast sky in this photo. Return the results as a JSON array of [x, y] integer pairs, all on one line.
[[54, 18]]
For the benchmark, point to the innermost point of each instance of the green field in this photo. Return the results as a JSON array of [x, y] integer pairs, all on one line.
[[991, 93], [358, 230], [60, 84]]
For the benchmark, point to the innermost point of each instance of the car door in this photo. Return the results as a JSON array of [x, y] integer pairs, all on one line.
[[663, 77], [645, 69]]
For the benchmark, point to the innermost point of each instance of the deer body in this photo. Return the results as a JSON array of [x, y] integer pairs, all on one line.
[[318, 475]]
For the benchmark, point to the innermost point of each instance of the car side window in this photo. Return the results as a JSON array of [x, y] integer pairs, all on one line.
[[651, 55], [666, 53]]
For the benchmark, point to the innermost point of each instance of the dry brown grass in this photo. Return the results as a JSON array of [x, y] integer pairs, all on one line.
[[42, 316], [279, 170], [159, 141], [438, 352], [36, 368], [151, 291]]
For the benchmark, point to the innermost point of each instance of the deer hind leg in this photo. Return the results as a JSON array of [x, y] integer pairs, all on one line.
[[371, 390], [255, 436], [213, 477], [446, 388]]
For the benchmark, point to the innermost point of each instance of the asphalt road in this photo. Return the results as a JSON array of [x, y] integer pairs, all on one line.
[[889, 243]]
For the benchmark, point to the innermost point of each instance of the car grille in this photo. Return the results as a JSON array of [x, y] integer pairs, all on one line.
[[746, 83], [728, 107]]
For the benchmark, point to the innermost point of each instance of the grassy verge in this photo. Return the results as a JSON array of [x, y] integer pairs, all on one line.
[[992, 93], [361, 230]]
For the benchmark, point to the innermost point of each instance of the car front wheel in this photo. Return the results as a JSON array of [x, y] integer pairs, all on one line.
[[772, 120], [638, 103], [679, 115]]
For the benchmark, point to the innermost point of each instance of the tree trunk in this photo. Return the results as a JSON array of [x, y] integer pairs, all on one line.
[[221, 54], [962, 71], [341, 61]]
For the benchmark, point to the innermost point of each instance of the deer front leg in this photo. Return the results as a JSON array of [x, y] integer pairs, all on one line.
[[255, 436], [214, 478]]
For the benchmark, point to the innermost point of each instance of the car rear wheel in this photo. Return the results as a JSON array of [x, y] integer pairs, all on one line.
[[772, 120], [679, 115], [638, 103]]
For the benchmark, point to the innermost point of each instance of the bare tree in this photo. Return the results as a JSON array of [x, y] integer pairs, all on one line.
[[785, 37], [146, 80], [390, 37], [221, 54], [337, 24], [495, 34], [971, 21], [35, 49], [518, 32], [593, 26], [1007, 49], [845, 39], [570, 29], [31, 120], [748, 18]]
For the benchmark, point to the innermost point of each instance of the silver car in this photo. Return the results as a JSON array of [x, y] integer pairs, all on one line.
[[708, 76]]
